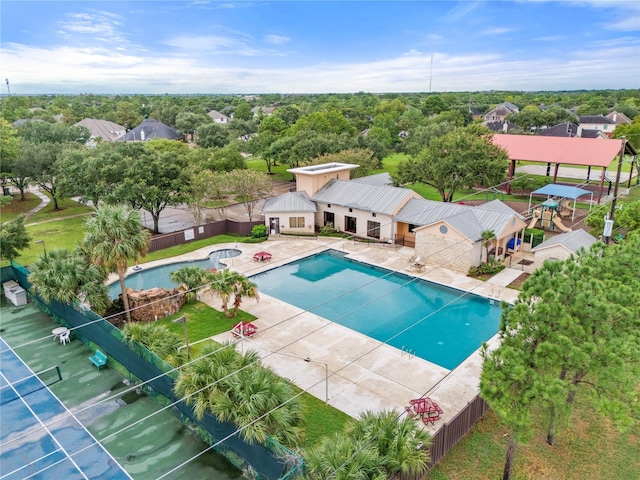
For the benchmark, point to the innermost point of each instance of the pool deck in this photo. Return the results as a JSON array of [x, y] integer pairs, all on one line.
[[363, 373]]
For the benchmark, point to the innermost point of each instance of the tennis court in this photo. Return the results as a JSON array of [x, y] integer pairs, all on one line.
[[39, 437]]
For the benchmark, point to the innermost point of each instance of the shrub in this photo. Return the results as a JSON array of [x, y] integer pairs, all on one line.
[[486, 268], [259, 231], [537, 234], [327, 230]]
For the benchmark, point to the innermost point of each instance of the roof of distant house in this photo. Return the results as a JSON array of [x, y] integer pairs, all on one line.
[[216, 115], [381, 199], [150, 128], [618, 117], [265, 110], [289, 202], [588, 119], [102, 128], [572, 241], [22, 121], [568, 129], [571, 151], [502, 126]]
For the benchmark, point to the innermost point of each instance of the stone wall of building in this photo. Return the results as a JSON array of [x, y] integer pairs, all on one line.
[[149, 305]]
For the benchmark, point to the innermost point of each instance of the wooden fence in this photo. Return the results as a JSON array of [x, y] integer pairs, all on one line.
[[209, 230], [452, 432]]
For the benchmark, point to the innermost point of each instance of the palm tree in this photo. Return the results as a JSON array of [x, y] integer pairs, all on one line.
[[342, 458], [224, 285], [114, 236], [243, 287], [487, 236], [67, 277], [191, 278], [400, 443], [158, 339]]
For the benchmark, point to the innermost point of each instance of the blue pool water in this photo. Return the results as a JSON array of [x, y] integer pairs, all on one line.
[[160, 276], [435, 323]]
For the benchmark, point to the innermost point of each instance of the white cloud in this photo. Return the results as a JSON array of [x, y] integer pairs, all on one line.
[[69, 69], [276, 39], [88, 24], [496, 31]]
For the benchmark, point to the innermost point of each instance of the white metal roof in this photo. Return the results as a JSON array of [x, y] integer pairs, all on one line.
[[289, 202]]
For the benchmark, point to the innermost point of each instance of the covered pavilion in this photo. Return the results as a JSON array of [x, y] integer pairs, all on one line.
[[589, 152]]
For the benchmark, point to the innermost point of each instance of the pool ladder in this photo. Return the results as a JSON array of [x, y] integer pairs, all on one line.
[[408, 351]]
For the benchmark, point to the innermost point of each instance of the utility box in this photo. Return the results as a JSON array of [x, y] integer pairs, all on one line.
[[15, 293]]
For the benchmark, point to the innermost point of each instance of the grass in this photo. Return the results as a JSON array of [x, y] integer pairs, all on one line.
[[18, 207], [588, 448], [278, 172], [63, 233], [320, 420], [67, 208], [203, 321]]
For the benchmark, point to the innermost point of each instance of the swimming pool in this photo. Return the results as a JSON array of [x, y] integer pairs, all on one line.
[[431, 321], [161, 276]]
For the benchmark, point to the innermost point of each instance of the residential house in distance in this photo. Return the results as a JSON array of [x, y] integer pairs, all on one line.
[[618, 118], [370, 208], [266, 111], [218, 117], [149, 129], [502, 126], [101, 130], [500, 112], [568, 129], [598, 122]]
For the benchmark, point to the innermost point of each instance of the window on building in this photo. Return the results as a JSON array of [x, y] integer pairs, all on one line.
[[350, 224], [373, 214], [296, 222], [373, 229]]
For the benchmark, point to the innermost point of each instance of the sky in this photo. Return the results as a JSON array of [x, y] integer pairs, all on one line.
[[226, 47]]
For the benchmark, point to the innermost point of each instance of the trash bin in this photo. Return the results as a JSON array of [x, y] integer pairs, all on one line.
[[6, 191]]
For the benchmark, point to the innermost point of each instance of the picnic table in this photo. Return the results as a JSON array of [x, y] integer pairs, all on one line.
[[428, 410], [244, 329], [261, 257]]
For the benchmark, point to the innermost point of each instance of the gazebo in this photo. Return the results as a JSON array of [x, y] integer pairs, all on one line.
[[556, 151], [563, 191]]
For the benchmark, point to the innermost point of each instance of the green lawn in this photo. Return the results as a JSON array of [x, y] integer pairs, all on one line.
[[320, 419], [589, 448], [17, 207], [278, 172]]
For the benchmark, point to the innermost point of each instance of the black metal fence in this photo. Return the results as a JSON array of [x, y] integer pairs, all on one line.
[[270, 462], [191, 234]]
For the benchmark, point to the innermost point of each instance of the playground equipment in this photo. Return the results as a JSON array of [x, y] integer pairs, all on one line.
[[546, 216]]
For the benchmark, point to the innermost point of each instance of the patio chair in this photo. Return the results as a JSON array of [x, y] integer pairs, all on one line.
[[65, 337]]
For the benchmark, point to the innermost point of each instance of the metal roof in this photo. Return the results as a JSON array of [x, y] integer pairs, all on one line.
[[289, 202], [468, 220], [572, 241], [378, 179], [382, 199], [571, 151], [564, 191]]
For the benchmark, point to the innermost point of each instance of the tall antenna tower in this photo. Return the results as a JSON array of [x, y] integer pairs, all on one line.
[[8, 89]]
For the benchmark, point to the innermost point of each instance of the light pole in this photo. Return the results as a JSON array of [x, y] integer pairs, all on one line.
[[183, 320], [43, 247]]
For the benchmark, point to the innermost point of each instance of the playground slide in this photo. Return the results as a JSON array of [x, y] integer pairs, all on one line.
[[558, 223], [534, 219]]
